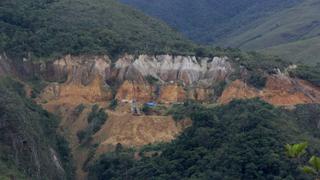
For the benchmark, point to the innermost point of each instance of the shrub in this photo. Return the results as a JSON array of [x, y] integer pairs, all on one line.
[[181, 111], [219, 88], [258, 80], [113, 104], [81, 135], [308, 73], [96, 119], [78, 110], [151, 80]]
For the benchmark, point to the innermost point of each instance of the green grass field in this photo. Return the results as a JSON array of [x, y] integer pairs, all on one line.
[[293, 34], [303, 51]]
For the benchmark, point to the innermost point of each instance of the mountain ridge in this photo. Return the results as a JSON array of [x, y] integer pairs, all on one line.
[[269, 27]]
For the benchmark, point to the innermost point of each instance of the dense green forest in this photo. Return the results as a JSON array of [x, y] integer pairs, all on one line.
[[29, 141], [242, 140], [44, 28]]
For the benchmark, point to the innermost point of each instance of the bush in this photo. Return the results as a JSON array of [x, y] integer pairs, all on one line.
[[97, 115], [78, 110], [151, 80], [182, 111], [113, 104], [258, 80], [81, 135], [308, 73], [96, 119], [218, 89]]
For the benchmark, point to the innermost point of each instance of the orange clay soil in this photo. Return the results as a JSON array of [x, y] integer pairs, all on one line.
[[279, 91], [136, 131]]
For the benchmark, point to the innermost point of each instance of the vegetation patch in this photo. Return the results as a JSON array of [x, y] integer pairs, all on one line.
[[78, 110], [257, 79], [182, 111], [41, 29], [308, 73], [220, 145], [29, 138], [113, 104], [96, 119], [151, 80]]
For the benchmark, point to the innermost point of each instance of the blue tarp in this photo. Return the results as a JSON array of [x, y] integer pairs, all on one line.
[[151, 104]]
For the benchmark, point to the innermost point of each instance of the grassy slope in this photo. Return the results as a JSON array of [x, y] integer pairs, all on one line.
[[296, 23], [304, 51], [53, 28], [293, 34], [208, 21]]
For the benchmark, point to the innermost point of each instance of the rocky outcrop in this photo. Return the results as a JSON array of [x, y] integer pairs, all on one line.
[[166, 68], [77, 79], [162, 78], [90, 77], [173, 74], [81, 70]]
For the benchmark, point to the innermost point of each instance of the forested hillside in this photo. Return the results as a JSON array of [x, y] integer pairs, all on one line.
[[30, 147], [47, 28]]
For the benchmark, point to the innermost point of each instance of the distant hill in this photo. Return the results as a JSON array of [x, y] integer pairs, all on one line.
[[56, 27], [302, 51], [208, 21], [249, 24], [293, 34]]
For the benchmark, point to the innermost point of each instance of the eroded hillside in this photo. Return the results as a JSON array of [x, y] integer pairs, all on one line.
[[74, 85], [164, 79]]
